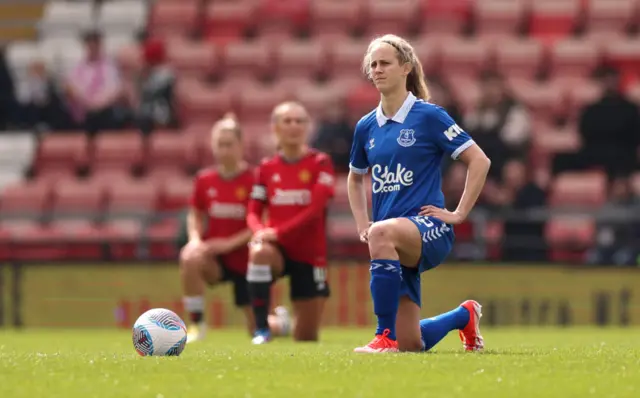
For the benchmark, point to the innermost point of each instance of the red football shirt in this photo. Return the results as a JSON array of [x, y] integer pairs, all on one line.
[[295, 196], [225, 201]]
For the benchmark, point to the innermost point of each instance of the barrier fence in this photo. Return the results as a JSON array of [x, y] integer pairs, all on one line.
[[109, 295]]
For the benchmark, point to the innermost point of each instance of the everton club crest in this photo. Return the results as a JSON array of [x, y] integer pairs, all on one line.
[[406, 137]]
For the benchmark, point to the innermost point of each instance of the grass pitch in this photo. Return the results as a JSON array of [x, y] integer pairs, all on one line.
[[517, 363]]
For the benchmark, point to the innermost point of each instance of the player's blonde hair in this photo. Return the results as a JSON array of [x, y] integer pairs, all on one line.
[[416, 83], [229, 122]]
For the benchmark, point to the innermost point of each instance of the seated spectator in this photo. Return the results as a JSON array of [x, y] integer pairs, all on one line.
[[610, 132], [152, 97], [335, 135], [499, 124], [94, 89], [617, 237], [40, 102], [521, 191]]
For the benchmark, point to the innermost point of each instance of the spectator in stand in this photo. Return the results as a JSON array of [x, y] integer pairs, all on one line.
[[610, 132], [499, 124], [41, 104], [521, 191], [440, 94], [334, 136], [7, 93], [153, 98], [94, 89], [617, 235]]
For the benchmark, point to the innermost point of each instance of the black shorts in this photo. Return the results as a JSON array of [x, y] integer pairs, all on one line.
[[305, 280], [240, 285]]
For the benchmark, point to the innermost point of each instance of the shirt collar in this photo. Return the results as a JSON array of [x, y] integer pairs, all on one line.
[[402, 113]]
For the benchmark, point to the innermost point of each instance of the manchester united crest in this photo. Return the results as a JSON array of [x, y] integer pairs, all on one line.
[[305, 176], [241, 193]]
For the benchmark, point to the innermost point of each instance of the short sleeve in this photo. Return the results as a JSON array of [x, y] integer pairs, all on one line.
[[259, 190], [447, 134], [358, 162], [196, 200], [326, 174]]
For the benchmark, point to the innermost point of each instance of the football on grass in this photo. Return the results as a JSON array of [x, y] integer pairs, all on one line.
[[159, 332]]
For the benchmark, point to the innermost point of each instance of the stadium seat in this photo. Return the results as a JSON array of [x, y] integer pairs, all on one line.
[[28, 200], [248, 60], [174, 18], [400, 17], [167, 150], [123, 236], [200, 102], [573, 58], [189, 58], [549, 140], [78, 199], [499, 18], [123, 16], [176, 193], [464, 57], [579, 189], [162, 237], [569, 237], [519, 58], [446, 16], [625, 55], [465, 90], [429, 52], [554, 19], [256, 103], [346, 57], [62, 151], [131, 198], [318, 96], [545, 100], [336, 19], [304, 59], [34, 241], [611, 15], [229, 21], [580, 93], [361, 100], [117, 150], [66, 18], [280, 19]]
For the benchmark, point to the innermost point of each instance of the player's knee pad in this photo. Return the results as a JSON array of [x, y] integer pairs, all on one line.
[[257, 273]]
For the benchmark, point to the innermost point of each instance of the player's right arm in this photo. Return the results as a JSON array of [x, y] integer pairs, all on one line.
[[358, 167]]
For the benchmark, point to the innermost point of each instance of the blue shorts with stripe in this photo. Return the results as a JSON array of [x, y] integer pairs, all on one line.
[[437, 240]]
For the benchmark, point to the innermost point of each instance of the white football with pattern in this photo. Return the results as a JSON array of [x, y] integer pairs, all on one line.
[[159, 332]]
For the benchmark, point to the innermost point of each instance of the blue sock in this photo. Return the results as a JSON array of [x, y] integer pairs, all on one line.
[[385, 292], [434, 329]]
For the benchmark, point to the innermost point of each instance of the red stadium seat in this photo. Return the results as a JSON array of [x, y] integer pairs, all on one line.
[[342, 228], [176, 194], [259, 140], [257, 102], [571, 189], [62, 151], [249, 60], [571, 58], [554, 19], [399, 17], [429, 52], [33, 241], [81, 239], [167, 149], [202, 103], [174, 18], [446, 16], [519, 58], [499, 18], [192, 58], [569, 237], [334, 19], [283, 18], [611, 15], [346, 56], [132, 197], [78, 199], [549, 140], [465, 91], [117, 150], [123, 236], [317, 97], [624, 54], [580, 93], [545, 100], [464, 57], [362, 100], [228, 21], [306, 59], [162, 236], [26, 200]]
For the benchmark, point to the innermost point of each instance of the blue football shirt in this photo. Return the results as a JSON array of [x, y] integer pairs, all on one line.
[[404, 154]]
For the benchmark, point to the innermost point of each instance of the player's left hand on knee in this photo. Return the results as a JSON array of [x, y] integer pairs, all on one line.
[[444, 215]]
